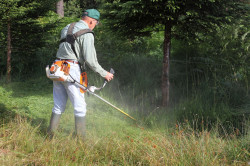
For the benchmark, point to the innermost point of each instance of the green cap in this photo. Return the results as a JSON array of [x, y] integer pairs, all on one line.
[[93, 13]]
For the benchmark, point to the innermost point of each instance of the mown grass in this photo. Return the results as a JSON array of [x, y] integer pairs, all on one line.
[[112, 139]]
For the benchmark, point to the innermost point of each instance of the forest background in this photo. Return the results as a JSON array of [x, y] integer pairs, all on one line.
[[200, 64]]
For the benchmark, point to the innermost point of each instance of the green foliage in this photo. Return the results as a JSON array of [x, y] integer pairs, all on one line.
[[179, 19], [215, 74], [221, 60], [72, 9], [27, 33], [83, 4], [13, 9], [203, 114], [136, 18]]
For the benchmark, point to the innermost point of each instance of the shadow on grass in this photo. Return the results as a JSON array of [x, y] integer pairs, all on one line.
[[42, 123], [7, 115], [38, 87]]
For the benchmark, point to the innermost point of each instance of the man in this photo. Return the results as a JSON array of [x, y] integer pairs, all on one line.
[[83, 51]]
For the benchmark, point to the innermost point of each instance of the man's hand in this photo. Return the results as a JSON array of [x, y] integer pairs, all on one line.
[[109, 76]]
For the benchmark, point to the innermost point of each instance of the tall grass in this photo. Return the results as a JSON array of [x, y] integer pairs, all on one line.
[[23, 144], [112, 138]]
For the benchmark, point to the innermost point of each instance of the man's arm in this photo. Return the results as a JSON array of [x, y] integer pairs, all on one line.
[[90, 55]]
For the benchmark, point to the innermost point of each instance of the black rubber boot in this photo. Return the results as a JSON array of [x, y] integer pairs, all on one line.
[[54, 123], [80, 127]]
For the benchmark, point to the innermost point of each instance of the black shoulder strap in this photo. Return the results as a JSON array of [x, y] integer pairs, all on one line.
[[81, 32], [70, 37]]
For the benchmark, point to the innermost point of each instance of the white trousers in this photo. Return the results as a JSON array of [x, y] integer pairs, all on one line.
[[64, 90]]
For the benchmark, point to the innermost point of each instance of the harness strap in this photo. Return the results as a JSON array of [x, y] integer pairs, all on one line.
[[70, 37], [81, 32], [75, 35], [70, 29]]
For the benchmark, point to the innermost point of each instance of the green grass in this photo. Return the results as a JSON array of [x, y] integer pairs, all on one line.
[[112, 138]]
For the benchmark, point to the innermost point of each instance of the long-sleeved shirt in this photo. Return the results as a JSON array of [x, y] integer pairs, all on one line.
[[84, 47]]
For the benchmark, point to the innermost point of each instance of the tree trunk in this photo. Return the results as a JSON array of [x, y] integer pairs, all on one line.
[[165, 68], [60, 8], [9, 52]]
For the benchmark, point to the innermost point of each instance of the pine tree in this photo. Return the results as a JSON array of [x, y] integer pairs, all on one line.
[[18, 19], [177, 19]]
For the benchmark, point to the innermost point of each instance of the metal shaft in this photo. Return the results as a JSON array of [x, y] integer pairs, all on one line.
[[86, 89], [113, 106]]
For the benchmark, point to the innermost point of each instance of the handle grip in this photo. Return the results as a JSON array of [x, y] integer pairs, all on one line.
[[106, 81], [112, 71]]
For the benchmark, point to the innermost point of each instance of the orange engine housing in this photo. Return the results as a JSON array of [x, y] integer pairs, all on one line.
[[83, 81]]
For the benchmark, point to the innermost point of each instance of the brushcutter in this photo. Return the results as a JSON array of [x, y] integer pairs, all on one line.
[[59, 71]]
